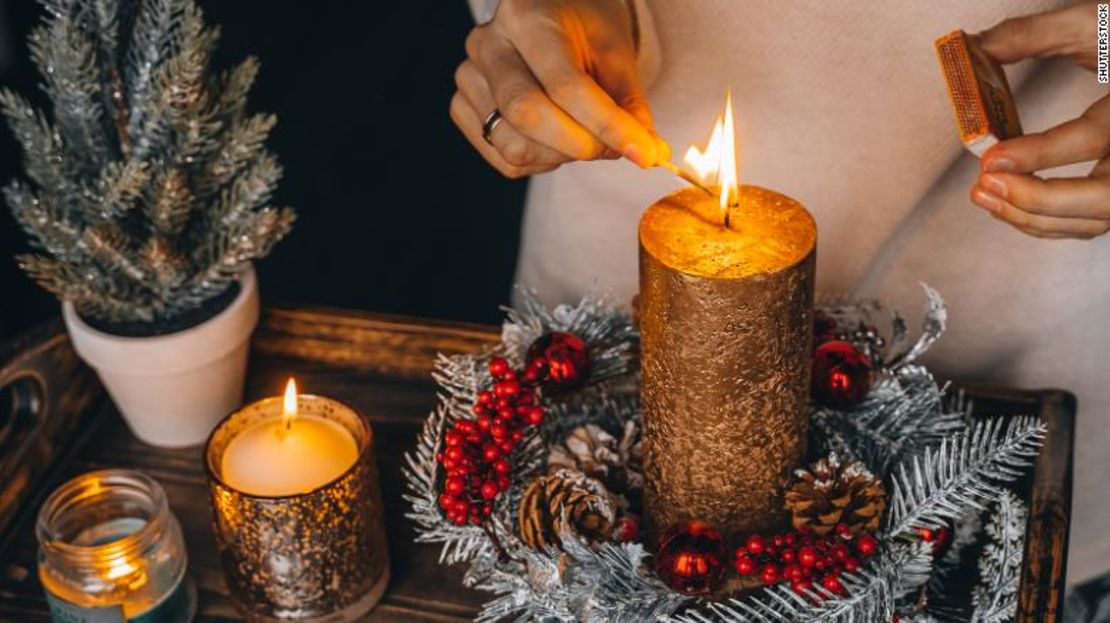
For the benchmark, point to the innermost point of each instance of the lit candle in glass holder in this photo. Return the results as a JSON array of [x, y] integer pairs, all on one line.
[[298, 511], [295, 453]]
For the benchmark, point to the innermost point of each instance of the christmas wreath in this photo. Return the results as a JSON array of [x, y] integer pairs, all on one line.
[[529, 470]]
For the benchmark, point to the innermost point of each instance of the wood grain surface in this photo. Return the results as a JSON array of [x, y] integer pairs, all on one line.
[[380, 365]]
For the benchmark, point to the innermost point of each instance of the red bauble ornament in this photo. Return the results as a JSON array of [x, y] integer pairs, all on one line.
[[841, 375], [567, 359], [690, 557]]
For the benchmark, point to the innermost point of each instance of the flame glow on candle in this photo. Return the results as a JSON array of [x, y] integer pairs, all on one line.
[[289, 405], [119, 568], [716, 164]]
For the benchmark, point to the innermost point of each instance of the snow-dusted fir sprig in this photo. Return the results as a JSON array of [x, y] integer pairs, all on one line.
[[150, 185], [606, 328], [963, 472], [995, 598], [463, 376], [608, 332], [904, 414], [605, 584], [888, 350]]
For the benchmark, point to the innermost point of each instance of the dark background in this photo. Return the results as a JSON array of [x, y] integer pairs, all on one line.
[[397, 213]]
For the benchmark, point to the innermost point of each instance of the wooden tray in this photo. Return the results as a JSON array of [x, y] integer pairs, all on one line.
[[63, 425]]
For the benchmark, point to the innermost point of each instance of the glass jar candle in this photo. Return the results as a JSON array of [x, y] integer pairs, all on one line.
[[298, 514], [111, 551]]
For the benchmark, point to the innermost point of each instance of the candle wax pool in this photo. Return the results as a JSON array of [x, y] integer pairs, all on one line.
[[270, 459]]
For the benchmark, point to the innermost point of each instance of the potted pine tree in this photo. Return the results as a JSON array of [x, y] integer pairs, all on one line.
[[148, 199]]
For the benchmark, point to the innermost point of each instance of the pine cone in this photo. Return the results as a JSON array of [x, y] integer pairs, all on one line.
[[565, 503], [830, 493], [591, 450]]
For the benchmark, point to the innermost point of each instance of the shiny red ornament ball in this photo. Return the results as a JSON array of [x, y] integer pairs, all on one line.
[[841, 375], [567, 360], [690, 557]]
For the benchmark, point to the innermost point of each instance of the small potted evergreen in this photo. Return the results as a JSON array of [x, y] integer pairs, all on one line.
[[148, 198]]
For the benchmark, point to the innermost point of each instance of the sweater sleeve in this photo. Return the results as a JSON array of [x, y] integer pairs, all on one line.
[[648, 49]]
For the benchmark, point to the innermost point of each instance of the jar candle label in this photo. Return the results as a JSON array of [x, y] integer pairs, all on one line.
[[178, 607], [62, 611]]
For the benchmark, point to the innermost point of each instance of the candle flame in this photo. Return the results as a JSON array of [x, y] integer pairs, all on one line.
[[120, 568], [289, 405], [716, 164]]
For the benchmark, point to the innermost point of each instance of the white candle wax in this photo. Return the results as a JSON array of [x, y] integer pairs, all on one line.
[[266, 459], [287, 455]]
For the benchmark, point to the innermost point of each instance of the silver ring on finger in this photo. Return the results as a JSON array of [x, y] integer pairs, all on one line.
[[490, 124]]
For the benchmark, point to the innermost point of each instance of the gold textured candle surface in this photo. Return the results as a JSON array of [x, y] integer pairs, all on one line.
[[726, 331]]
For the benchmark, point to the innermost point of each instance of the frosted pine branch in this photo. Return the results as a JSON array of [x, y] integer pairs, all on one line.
[[995, 598], [963, 472], [903, 415], [147, 182]]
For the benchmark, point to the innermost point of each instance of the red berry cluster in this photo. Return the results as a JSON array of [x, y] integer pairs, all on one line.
[[802, 558], [476, 452], [938, 537]]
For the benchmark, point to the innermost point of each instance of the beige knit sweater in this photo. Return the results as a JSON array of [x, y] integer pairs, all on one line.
[[841, 105]]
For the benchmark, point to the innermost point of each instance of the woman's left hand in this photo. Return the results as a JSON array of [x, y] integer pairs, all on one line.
[[1007, 186]]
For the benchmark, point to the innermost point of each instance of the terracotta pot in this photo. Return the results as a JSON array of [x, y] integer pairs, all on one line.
[[173, 389]]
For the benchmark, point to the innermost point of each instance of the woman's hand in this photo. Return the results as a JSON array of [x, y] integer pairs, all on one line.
[[1007, 186], [563, 75]]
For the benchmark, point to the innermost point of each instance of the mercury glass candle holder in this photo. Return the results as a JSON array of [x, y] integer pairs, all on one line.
[[111, 550], [316, 556]]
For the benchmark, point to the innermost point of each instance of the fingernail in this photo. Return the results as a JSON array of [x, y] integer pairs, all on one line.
[[999, 164], [984, 199], [637, 154], [994, 185]]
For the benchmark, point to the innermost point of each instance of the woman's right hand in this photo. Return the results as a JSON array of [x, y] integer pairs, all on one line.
[[563, 75]]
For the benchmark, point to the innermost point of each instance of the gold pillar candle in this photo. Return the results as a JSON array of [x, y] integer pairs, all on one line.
[[726, 331], [295, 546]]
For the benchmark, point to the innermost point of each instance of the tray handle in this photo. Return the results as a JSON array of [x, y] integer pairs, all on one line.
[[45, 393]]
